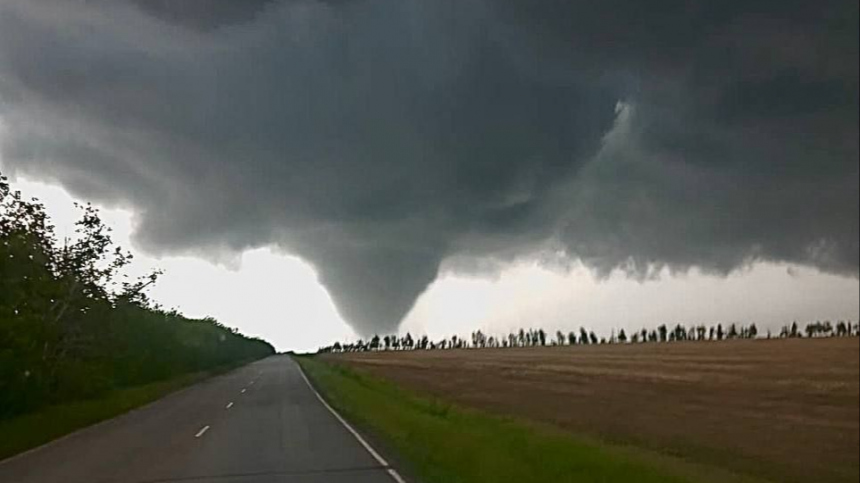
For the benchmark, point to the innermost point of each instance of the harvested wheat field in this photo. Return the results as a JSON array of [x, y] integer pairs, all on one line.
[[787, 410]]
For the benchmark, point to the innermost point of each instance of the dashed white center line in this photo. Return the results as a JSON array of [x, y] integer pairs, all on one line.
[[202, 432], [229, 405], [243, 391]]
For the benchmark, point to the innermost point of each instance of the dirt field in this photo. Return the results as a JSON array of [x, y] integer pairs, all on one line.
[[788, 410]]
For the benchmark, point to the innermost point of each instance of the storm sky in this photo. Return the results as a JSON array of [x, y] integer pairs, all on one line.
[[391, 142]]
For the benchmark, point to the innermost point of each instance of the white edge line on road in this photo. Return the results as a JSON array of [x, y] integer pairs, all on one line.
[[229, 405], [202, 432], [391, 471]]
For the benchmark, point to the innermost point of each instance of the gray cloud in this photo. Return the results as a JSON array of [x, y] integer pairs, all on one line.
[[379, 138]]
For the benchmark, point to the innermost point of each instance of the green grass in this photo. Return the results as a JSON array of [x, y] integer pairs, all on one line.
[[441, 443], [30, 430]]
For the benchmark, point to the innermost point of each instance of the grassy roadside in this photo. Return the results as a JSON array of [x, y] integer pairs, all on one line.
[[30, 430], [444, 443]]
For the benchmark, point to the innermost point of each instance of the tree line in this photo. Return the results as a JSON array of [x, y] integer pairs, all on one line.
[[541, 338], [73, 326]]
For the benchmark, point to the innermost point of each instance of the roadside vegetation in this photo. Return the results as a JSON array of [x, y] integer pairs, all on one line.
[[73, 327], [442, 443]]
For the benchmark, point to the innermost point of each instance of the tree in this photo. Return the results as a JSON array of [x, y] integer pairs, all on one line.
[[583, 336], [680, 332], [622, 336], [733, 331], [841, 329], [72, 327], [663, 331]]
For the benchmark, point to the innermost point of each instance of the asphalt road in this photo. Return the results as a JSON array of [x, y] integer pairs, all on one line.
[[260, 423]]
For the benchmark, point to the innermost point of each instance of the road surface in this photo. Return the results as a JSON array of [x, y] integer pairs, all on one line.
[[261, 423]]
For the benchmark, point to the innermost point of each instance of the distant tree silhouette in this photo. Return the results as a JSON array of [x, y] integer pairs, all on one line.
[[478, 339], [733, 331], [680, 332], [583, 336], [663, 331], [841, 329], [538, 337]]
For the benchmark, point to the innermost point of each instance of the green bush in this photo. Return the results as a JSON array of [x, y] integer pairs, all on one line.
[[71, 329]]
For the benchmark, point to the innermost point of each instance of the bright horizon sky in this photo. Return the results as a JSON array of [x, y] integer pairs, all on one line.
[[278, 297]]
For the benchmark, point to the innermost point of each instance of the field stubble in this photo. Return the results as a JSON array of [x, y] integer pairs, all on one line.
[[788, 410]]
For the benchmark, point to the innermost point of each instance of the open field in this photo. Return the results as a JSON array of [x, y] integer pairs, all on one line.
[[782, 409], [441, 443]]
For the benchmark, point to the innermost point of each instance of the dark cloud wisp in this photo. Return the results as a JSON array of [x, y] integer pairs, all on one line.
[[378, 138]]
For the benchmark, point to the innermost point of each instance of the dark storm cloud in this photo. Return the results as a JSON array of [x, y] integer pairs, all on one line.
[[203, 14], [379, 138]]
